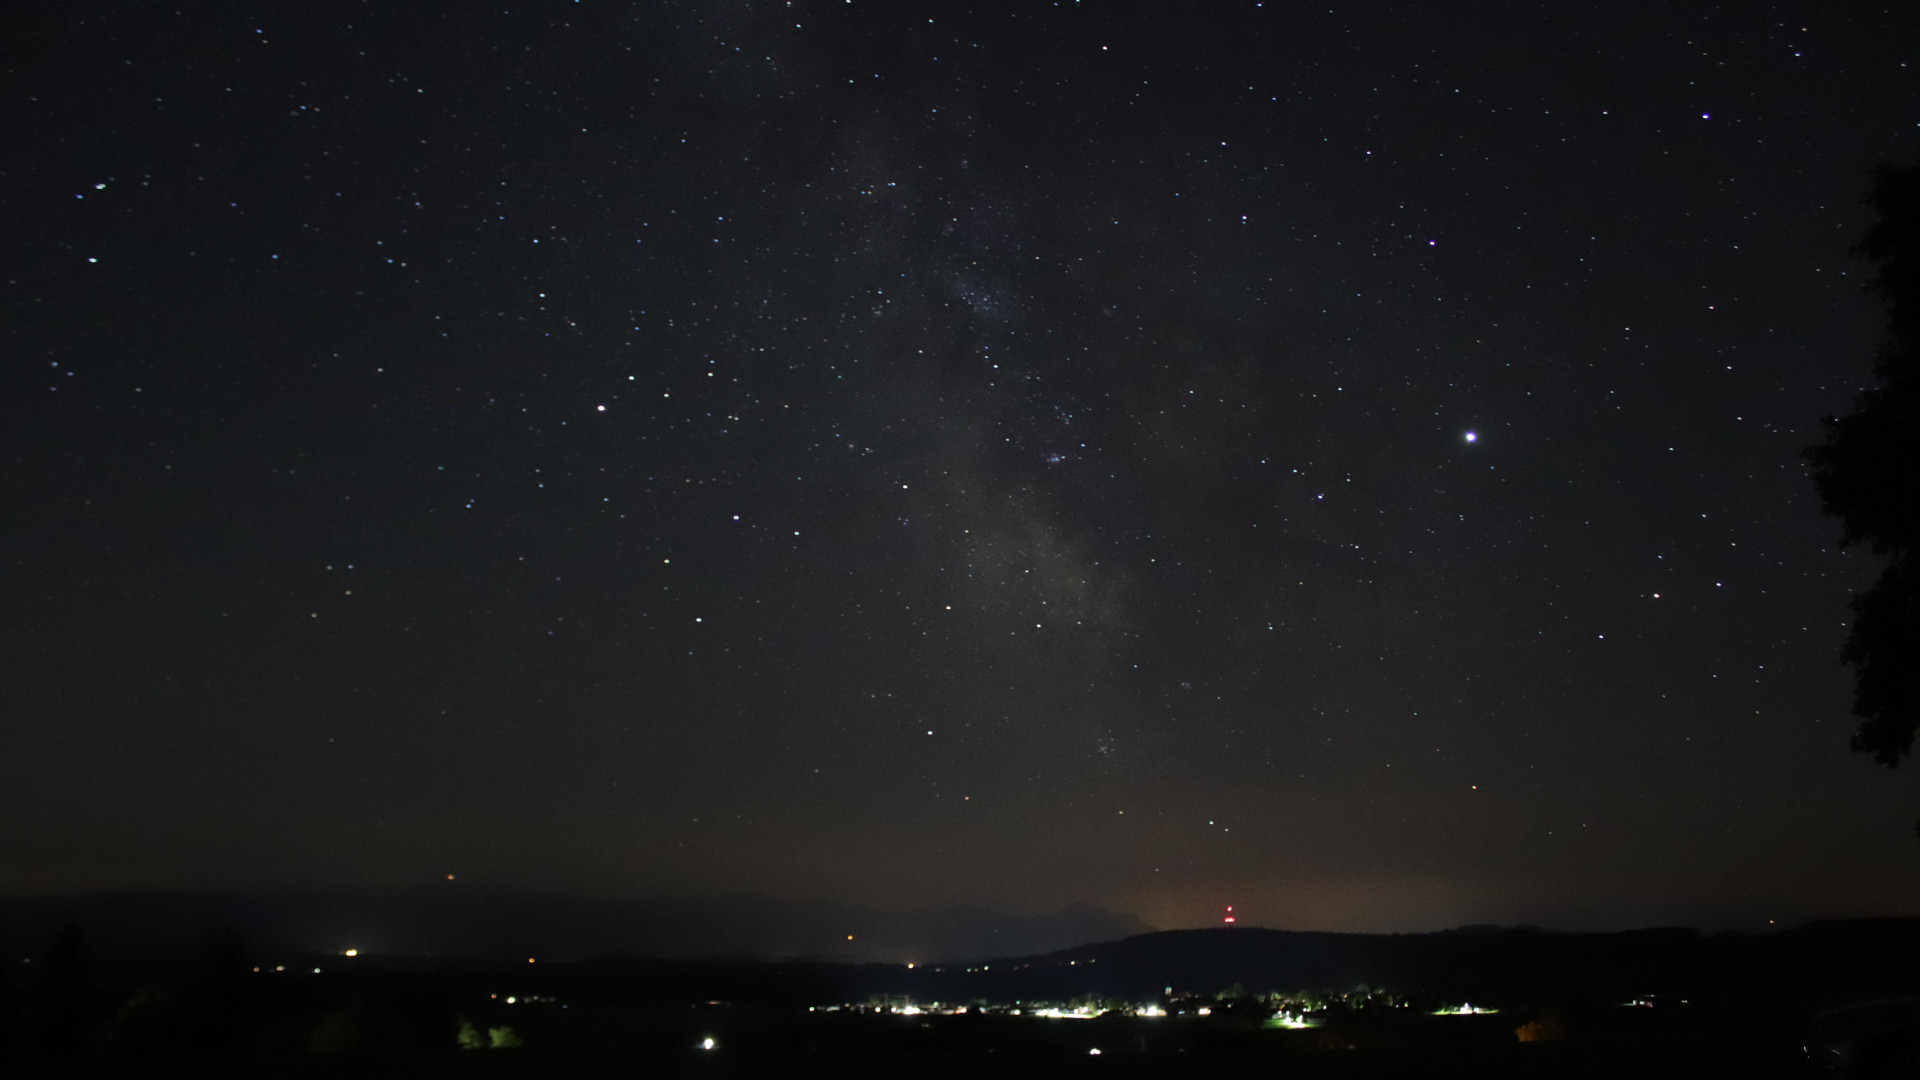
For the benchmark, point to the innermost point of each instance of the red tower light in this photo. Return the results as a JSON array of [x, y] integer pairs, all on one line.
[[1229, 917]]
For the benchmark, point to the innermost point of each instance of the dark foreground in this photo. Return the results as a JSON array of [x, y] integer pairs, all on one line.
[[1641, 1005], [610, 1043]]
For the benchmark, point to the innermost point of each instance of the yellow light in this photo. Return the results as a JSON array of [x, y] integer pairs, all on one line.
[[352, 952]]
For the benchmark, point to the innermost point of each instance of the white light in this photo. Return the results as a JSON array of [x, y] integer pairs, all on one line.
[[1095, 1051], [1473, 437], [707, 1043]]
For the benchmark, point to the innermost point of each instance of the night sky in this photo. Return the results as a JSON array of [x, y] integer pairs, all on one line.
[[1340, 460]]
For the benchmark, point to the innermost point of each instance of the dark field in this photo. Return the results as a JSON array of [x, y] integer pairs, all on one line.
[[1645, 1004], [607, 1042]]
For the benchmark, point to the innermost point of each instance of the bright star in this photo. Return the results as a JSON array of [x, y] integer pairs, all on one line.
[[1472, 437]]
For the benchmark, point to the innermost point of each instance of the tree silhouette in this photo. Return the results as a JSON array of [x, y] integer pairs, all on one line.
[[1868, 475]]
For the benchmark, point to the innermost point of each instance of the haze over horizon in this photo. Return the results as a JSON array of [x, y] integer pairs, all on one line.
[[493, 926], [1340, 461]]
